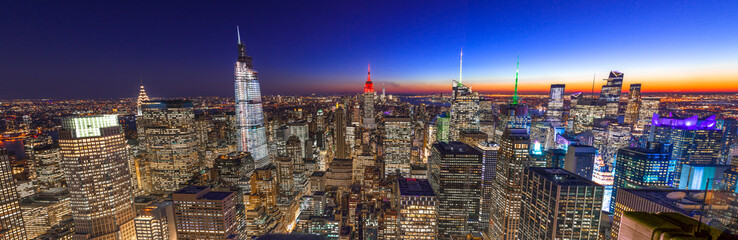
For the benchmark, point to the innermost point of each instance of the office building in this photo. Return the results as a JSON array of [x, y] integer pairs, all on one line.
[[641, 168], [610, 93], [249, 113], [156, 222], [95, 161], [489, 152], [11, 218], [512, 158], [649, 107], [700, 176], [634, 104], [397, 142], [694, 141], [584, 112], [580, 160], [558, 204], [417, 209], [368, 97], [555, 107], [464, 108], [455, 173], [233, 167], [167, 131], [442, 127], [193, 202], [142, 97], [339, 133], [43, 210]]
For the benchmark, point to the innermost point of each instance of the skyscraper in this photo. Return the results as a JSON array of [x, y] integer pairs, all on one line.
[[558, 204], [167, 131], [580, 160], [417, 209], [156, 222], [368, 120], [397, 142], [455, 173], [464, 109], [556, 102], [489, 152], [142, 97], [610, 93], [694, 140], [634, 104], [641, 168], [11, 220], [507, 191], [96, 167], [649, 107], [204, 214], [339, 133], [249, 114]]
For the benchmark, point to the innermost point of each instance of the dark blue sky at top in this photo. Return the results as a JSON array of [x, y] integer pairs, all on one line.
[[93, 49]]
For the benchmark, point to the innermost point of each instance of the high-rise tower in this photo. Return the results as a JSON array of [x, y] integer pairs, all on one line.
[[96, 167], [249, 114], [142, 97], [556, 102], [634, 104], [464, 108], [611, 92], [368, 121], [10, 218]]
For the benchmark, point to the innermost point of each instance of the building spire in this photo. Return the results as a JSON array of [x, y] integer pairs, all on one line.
[[369, 86], [238, 33], [515, 95], [461, 62]]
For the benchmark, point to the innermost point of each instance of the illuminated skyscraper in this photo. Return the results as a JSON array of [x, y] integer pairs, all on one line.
[[455, 173], [556, 102], [641, 168], [649, 107], [507, 191], [96, 167], [515, 114], [142, 97], [249, 114], [417, 210], [464, 109], [167, 131], [397, 142], [634, 104], [558, 204], [156, 222], [580, 160], [489, 152], [204, 214], [695, 141], [11, 220], [368, 121], [611, 93]]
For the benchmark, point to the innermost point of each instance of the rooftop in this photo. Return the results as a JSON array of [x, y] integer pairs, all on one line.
[[414, 187], [455, 148], [562, 177], [686, 202]]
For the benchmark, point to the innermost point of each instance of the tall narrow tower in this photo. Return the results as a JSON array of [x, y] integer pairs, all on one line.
[[368, 121], [249, 113], [142, 97]]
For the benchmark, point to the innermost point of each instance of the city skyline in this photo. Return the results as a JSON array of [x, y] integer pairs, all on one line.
[[673, 48]]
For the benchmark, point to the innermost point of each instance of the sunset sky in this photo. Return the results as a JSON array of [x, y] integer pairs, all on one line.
[[71, 50]]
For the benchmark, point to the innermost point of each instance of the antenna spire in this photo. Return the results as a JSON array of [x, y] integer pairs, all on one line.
[[238, 32], [515, 95], [461, 62]]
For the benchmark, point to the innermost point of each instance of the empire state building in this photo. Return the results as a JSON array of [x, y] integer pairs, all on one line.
[[249, 113]]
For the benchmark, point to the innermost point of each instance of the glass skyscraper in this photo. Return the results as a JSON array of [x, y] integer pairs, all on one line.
[[611, 93], [556, 102], [249, 113]]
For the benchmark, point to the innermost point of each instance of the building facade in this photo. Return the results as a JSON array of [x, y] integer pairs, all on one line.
[[249, 114], [95, 163]]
